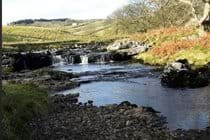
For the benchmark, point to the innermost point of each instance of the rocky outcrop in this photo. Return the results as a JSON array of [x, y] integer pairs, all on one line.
[[30, 61], [179, 74], [128, 46], [72, 120]]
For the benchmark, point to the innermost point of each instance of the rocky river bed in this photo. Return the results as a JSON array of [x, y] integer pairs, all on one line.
[[72, 120]]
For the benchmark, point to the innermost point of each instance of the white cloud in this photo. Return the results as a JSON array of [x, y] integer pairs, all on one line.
[[77, 9]]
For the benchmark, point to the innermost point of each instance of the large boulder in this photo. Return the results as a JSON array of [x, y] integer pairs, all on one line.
[[179, 74], [131, 47], [31, 61], [18, 62]]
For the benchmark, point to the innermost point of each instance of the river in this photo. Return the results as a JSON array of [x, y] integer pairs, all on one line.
[[140, 84]]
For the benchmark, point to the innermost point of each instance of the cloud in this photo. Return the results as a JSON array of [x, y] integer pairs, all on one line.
[[77, 9]]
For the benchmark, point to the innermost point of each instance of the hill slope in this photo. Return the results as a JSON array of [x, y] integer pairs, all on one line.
[[58, 31]]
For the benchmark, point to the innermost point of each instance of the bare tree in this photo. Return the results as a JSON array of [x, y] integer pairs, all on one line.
[[141, 15], [206, 13]]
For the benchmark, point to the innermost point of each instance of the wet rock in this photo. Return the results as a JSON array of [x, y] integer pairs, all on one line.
[[179, 74], [60, 75], [120, 56], [45, 78], [31, 61]]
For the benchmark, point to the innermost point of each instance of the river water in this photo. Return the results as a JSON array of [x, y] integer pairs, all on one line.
[[139, 84]]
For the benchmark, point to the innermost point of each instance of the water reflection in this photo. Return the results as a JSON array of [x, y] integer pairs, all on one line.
[[184, 108]]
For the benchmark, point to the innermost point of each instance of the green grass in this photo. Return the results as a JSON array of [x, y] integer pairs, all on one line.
[[21, 103], [196, 56], [40, 34], [175, 43]]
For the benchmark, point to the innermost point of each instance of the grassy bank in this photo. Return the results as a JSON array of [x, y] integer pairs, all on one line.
[[20, 104], [173, 44]]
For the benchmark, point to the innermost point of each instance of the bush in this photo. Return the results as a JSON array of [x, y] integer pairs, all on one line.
[[21, 103]]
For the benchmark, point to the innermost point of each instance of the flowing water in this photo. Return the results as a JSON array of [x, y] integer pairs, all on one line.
[[84, 59], [139, 84]]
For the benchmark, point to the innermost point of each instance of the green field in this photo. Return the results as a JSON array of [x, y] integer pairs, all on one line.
[[58, 32]]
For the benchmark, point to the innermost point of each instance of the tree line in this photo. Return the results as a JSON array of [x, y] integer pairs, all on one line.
[[142, 15]]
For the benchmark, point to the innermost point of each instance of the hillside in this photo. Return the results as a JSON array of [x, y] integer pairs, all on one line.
[[169, 44], [175, 43], [57, 31]]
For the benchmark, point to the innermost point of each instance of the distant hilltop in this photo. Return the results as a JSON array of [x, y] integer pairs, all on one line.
[[59, 20]]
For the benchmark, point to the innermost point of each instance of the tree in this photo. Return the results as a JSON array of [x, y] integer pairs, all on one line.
[[141, 15], [205, 20]]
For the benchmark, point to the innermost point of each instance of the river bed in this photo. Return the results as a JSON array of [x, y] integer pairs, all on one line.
[[140, 84]]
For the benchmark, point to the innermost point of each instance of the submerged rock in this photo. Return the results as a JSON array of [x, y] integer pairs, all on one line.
[[179, 74]]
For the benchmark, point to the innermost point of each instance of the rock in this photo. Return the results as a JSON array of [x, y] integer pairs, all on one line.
[[45, 78], [31, 61], [90, 102], [150, 109], [208, 64], [74, 120], [131, 47], [120, 56], [60, 75], [179, 74], [18, 62]]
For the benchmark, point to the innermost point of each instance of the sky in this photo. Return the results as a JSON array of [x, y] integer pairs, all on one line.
[[76, 9]]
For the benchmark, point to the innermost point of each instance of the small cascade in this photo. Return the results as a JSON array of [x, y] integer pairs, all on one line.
[[58, 59], [101, 59], [84, 59], [71, 59]]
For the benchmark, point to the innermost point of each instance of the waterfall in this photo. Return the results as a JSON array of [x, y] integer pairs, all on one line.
[[57, 59], [101, 59], [84, 59], [71, 59]]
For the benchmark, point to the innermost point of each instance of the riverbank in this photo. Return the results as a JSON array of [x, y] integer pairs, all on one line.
[[69, 119], [172, 44], [21, 103], [45, 78], [72, 120]]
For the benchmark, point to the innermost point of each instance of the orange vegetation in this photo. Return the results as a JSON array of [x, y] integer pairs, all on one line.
[[169, 48], [164, 32], [169, 41]]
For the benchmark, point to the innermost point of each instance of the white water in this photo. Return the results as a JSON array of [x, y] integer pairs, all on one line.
[[101, 60], [70, 59], [84, 59], [57, 59]]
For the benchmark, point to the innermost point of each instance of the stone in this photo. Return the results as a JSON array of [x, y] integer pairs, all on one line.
[[31, 61], [179, 74], [128, 46], [73, 121]]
